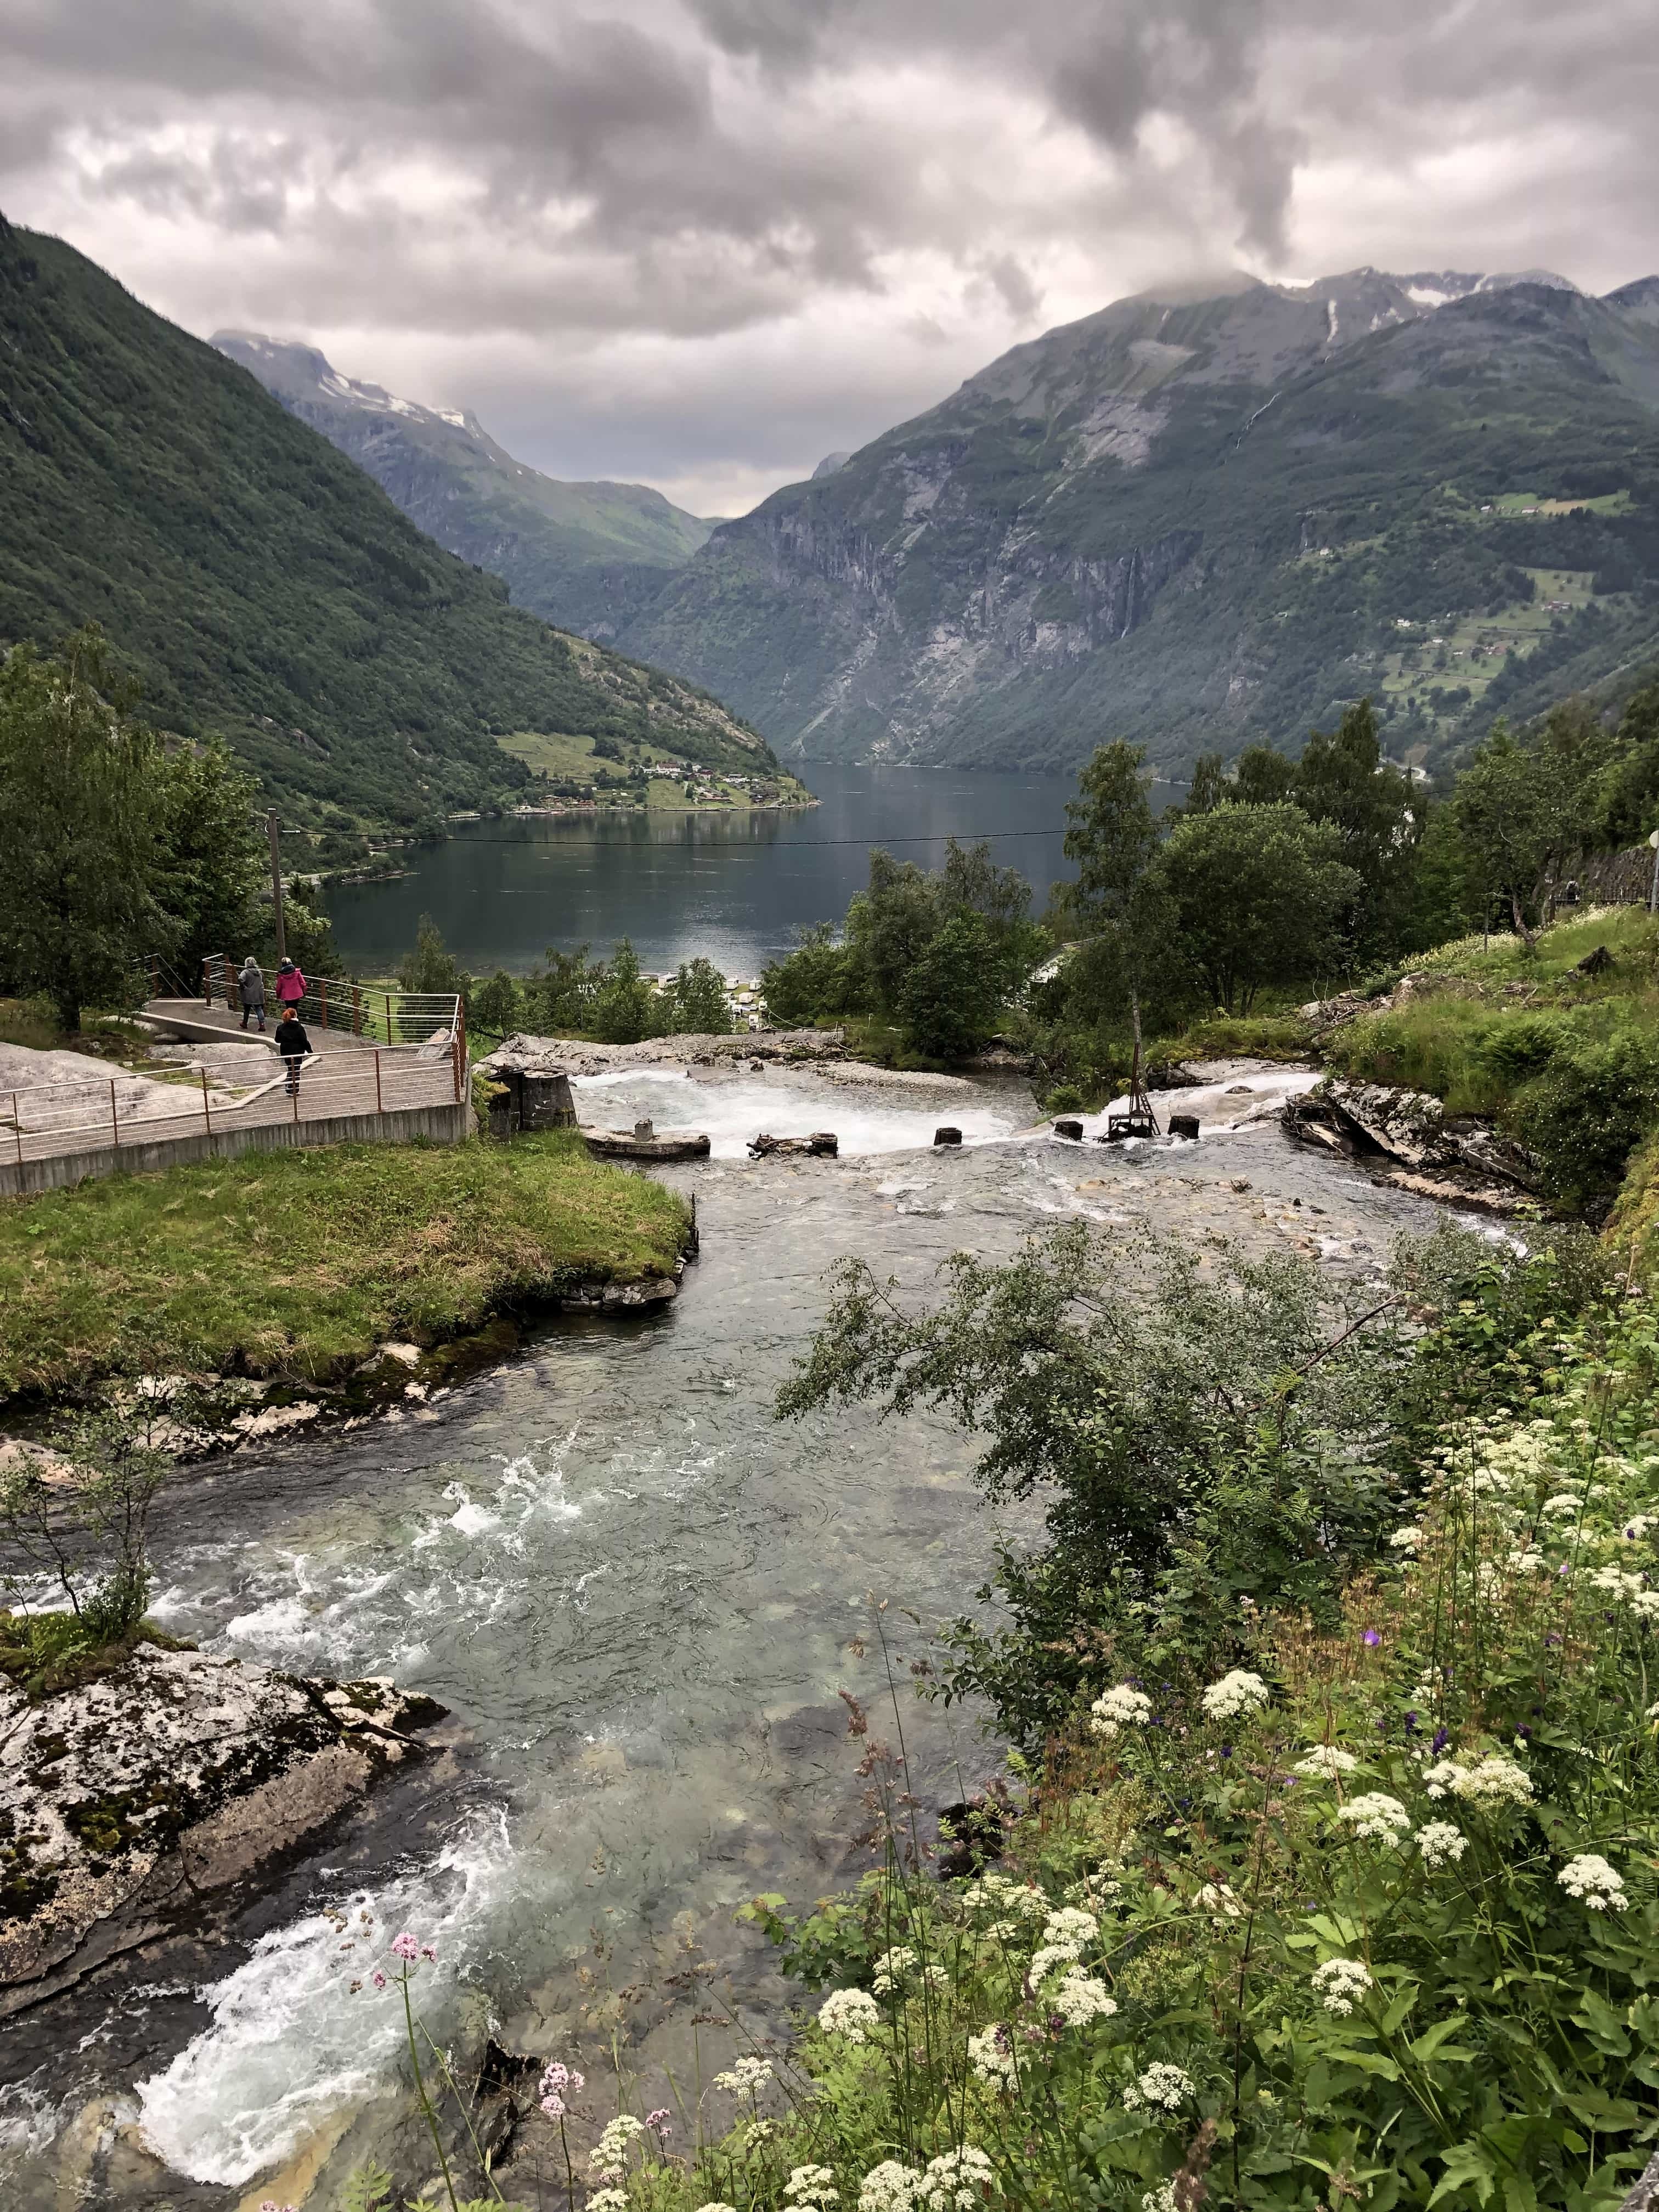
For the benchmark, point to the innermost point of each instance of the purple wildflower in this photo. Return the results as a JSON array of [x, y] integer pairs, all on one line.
[[1371, 1638], [1442, 1738]]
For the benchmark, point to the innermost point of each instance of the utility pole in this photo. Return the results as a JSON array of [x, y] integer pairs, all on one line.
[[274, 831]]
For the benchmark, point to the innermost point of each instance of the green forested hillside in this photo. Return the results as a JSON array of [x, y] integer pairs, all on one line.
[[584, 556], [258, 584], [1197, 522]]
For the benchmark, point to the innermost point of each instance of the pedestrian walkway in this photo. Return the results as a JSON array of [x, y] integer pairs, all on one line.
[[356, 1086]]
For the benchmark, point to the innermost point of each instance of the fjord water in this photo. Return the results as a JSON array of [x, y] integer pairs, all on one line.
[[639, 1595], [734, 887]]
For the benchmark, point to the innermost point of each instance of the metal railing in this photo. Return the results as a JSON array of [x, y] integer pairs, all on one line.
[[123, 1111], [368, 1011]]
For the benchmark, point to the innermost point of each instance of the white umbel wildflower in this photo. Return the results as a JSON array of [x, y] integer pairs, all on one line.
[[1324, 1762], [1645, 1604], [1594, 1882], [1120, 1707], [1376, 1816], [745, 2077], [1441, 1843], [1078, 1998], [1339, 1981], [888, 2187], [1240, 1691], [1494, 1780], [1000, 1893], [607, 2200], [992, 2057], [812, 2186], [714, 2204], [891, 1968], [1070, 1925], [1220, 1901], [957, 2181], [1163, 2089], [1407, 1539], [1561, 1504], [1616, 1583], [1050, 1960], [850, 2015], [1161, 2199], [609, 2155]]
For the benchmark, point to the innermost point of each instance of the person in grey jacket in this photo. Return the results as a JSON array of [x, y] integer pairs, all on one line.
[[251, 983]]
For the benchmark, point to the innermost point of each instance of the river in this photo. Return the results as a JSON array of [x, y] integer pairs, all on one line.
[[735, 887], [640, 1596]]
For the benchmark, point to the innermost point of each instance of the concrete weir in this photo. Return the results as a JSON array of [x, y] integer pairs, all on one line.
[[438, 1125]]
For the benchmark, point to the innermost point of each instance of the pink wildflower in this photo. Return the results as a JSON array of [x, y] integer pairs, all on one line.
[[428, 1950], [660, 2122], [553, 2104], [405, 1947], [378, 1980]]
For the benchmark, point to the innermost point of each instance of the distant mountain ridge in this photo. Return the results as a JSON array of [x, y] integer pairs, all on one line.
[[583, 555], [261, 586], [1206, 514]]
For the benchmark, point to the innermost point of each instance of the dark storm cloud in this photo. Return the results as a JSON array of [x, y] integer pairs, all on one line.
[[627, 205]]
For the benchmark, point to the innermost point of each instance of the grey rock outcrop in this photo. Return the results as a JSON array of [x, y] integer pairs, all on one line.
[[1462, 1155], [127, 1798]]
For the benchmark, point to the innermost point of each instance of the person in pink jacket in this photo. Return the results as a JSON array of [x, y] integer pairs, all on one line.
[[290, 984]]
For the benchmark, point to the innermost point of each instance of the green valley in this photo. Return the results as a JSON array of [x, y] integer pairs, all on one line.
[[258, 586]]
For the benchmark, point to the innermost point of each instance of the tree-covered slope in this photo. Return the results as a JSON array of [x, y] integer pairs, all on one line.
[[584, 555], [1198, 521], [259, 584]]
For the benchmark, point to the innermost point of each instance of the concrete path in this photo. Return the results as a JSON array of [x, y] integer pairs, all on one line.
[[194, 1023]]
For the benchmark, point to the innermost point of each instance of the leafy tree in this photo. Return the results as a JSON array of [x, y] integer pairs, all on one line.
[[696, 1000], [1256, 895], [970, 882], [950, 999], [820, 977], [1263, 777], [890, 924], [211, 860], [1342, 779], [1206, 786], [1524, 806], [431, 967], [82, 813], [1630, 784], [623, 1008], [495, 1006], [1117, 898], [558, 1001]]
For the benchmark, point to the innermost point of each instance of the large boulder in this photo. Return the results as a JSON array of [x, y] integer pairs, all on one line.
[[126, 1798]]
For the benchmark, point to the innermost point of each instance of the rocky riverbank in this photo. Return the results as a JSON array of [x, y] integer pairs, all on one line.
[[130, 1799]]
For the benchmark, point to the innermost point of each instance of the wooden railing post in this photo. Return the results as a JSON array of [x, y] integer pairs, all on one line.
[[17, 1132], [322, 986], [206, 1114], [114, 1118], [379, 1107]]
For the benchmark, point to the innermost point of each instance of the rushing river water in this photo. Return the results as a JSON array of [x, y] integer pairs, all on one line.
[[640, 1596], [733, 887]]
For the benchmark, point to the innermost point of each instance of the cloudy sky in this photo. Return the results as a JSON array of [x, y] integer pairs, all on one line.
[[703, 242]]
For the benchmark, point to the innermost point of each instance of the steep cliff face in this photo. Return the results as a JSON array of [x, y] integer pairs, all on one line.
[[1192, 520], [586, 556]]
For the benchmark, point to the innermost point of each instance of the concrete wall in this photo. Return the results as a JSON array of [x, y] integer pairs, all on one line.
[[439, 1124]]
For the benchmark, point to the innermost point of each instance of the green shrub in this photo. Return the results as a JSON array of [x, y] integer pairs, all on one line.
[[1522, 1046], [1586, 1115], [1065, 1098]]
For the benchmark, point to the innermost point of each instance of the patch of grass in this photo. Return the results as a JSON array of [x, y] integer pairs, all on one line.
[[299, 1263], [1238, 1036], [46, 1652]]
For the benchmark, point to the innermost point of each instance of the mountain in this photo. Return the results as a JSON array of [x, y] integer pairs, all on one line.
[[1202, 517], [259, 584], [584, 556]]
